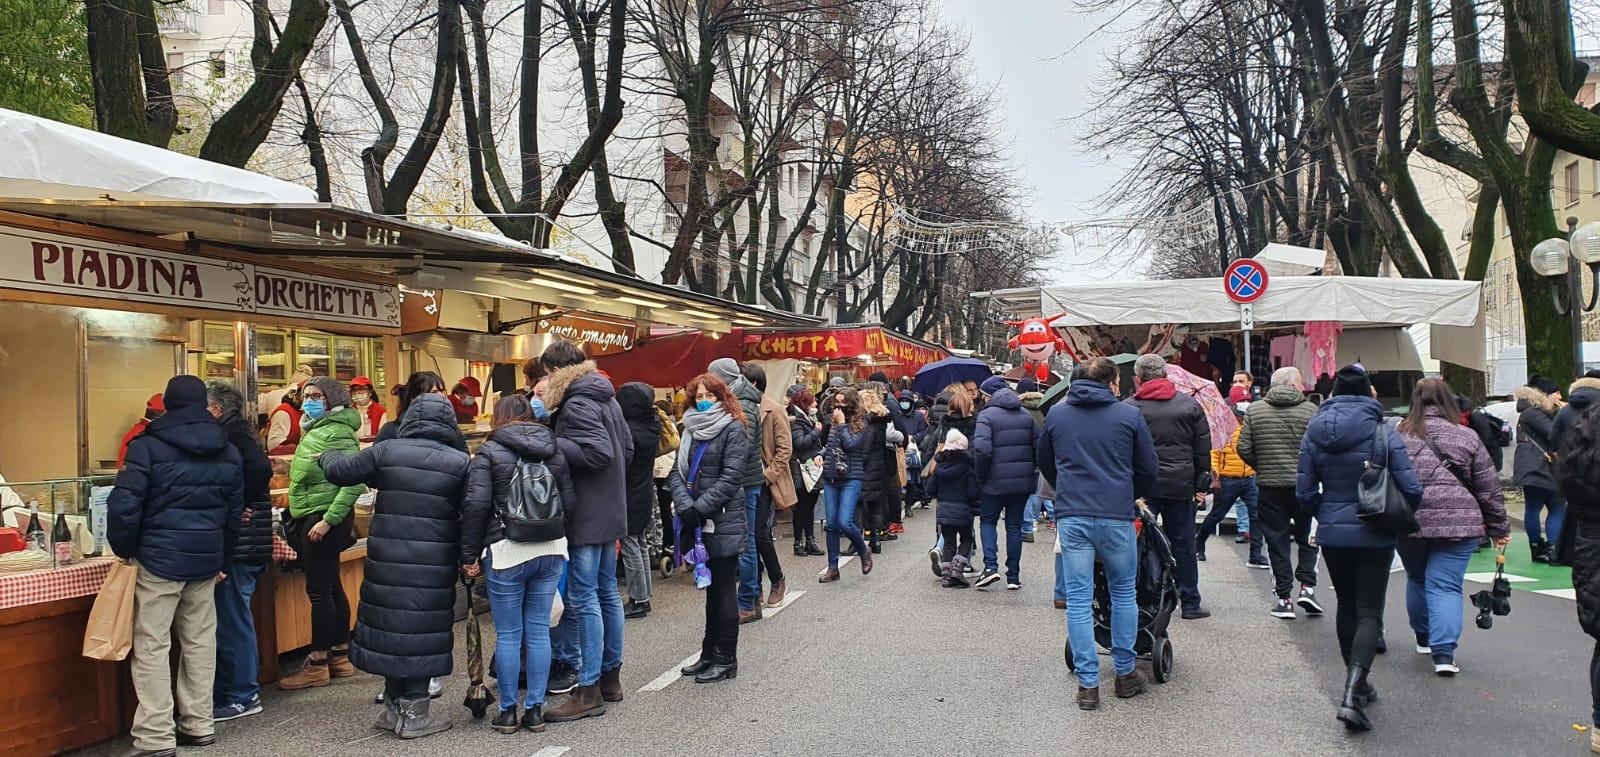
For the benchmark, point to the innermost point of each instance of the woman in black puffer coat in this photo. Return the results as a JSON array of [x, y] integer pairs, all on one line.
[[404, 624], [637, 400], [805, 431], [707, 484], [879, 466]]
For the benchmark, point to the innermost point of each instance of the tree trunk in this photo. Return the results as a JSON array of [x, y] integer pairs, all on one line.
[[119, 97], [239, 131]]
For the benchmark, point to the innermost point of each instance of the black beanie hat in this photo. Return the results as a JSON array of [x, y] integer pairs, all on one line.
[[1543, 384], [1352, 379], [184, 391]]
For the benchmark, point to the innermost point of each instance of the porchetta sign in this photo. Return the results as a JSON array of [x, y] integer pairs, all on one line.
[[44, 262]]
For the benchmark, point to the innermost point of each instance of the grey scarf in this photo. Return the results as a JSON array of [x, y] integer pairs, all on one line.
[[700, 427]]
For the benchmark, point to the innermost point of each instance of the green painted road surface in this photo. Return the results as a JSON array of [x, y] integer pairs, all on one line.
[[1520, 564]]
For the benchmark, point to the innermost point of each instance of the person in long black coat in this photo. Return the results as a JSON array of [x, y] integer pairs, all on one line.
[[637, 400], [404, 624]]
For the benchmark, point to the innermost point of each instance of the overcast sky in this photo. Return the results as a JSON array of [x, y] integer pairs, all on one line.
[[1035, 54]]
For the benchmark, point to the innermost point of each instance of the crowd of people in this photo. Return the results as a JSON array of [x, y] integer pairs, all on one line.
[[576, 471]]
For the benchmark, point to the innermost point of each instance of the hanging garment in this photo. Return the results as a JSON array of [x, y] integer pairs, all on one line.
[[1220, 354], [1282, 351], [1324, 343]]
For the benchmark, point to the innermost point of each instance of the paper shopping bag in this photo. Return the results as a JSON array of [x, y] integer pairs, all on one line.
[[109, 633]]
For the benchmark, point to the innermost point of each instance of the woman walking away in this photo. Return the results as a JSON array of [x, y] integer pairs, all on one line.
[[954, 482], [1343, 440], [707, 484], [1537, 404], [960, 414], [321, 527], [517, 488], [777, 450], [842, 471], [1461, 503], [878, 470], [403, 626], [637, 400], [805, 432]]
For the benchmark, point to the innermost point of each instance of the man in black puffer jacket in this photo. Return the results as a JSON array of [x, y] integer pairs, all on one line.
[[407, 612], [594, 438], [1004, 453], [637, 400], [1183, 446], [175, 514], [236, 693]]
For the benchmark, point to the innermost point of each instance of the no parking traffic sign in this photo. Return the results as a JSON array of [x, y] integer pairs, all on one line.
[[1245, 281]]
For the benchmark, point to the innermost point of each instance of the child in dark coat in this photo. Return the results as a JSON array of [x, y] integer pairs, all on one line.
[[954, 484]]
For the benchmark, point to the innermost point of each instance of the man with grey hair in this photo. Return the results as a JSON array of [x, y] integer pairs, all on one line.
[[235, 693], [1269, 442], [1182, 437]]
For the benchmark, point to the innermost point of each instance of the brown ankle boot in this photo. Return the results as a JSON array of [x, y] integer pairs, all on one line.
[[779, 590], [611, 684], [584, 702], [313, 675], [340, 667]]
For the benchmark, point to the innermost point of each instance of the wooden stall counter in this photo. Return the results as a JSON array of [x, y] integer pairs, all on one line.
[[283, 614]]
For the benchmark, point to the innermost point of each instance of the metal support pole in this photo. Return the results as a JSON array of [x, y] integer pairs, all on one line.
[[1574, 306]]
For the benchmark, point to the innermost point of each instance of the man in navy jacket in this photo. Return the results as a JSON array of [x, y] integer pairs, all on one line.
[[1003, 449], [175, 513], [1098, 455]]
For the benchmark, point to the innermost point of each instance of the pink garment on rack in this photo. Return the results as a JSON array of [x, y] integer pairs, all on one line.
[[1281, 351], [1324, 336]]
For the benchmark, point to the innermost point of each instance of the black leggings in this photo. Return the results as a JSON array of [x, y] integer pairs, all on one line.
[[721, 641], [805, 515], [953, 535], [766, 553], [1360, 578], [330, 608], [398, 689]]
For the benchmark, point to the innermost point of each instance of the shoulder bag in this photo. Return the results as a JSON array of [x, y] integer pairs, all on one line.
[[1522, 433], [1379, 503]]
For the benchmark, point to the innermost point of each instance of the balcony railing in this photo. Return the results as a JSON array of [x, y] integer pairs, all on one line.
[[177, 20]]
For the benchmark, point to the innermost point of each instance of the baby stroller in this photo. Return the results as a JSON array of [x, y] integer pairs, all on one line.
[[1156, 594]]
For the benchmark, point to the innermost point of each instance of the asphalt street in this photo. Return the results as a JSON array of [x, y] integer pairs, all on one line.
[[894, 664]]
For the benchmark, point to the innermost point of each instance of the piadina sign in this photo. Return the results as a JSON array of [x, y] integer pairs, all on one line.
[[54, 263]]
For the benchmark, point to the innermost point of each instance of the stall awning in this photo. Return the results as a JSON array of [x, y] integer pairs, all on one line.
[[671, 360], [1352, 300], [867, 345]]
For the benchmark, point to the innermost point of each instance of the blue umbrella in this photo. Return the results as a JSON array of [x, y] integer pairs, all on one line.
[[934, 377]]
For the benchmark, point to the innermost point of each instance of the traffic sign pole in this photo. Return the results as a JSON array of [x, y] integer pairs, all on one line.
[[1244, 282]]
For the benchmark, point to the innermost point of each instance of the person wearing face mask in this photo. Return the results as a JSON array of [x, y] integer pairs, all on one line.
[[536, 401], [153, 409], [464, 398], [365, 400], [321, 527], [283, 424]]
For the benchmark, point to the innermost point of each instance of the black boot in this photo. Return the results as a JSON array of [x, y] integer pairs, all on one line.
[[1540, 550], [723, 669], [811, 547], [799, 546], [1352, 704]]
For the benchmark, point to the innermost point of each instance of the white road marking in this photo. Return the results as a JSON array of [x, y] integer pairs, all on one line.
[[665, 679], [1488, 577], [1562, 593], [842, 563], [788, 599], [552, 751]]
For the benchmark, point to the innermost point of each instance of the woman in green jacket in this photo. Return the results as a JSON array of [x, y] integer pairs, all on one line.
[[321, 527]]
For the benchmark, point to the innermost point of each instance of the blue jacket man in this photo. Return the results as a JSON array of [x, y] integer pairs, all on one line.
[[1098, 454], [1002, 446]]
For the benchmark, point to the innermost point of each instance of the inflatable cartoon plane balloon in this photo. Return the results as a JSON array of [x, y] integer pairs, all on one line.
[[1037, 342]]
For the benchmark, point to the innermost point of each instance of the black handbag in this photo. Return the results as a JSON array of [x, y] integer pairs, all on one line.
[[1379, 503]]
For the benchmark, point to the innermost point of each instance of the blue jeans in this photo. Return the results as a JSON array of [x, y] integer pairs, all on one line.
[[1539, 499], [1030, 512], [1435, 569], [1011, 505], [595, 610], [520, 598], [1112, 542], [839, 505], [749, 563], [236, 638]]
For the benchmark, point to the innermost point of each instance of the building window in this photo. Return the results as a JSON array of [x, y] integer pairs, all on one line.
[[174, 64], [1572, 183], [216, 7], [1596, 177], [219, 64]]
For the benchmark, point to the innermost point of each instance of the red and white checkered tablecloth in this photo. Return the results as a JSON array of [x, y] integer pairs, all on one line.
[[50, 584], [281, 551]]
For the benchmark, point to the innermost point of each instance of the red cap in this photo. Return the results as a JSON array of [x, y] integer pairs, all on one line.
[[361, 381], [471, 383], [1238, 394], [156, 403]]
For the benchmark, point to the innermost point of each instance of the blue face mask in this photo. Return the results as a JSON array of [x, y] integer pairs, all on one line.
[[703, 405], [314, 408], [539, 410]]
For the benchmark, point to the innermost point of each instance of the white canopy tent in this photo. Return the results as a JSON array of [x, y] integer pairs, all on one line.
[[1289, 260], [45, 158], [1452, 308]]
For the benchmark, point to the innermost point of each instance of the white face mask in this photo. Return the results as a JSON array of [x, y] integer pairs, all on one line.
[[362, 399], [469, 400]]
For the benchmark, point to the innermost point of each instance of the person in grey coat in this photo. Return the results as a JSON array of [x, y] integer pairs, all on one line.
[[1182, 437], [1269, 442], [707, 494], [593, 436]]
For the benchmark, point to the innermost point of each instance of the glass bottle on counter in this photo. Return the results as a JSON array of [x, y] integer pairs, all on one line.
[[61, 539], [35, 533]]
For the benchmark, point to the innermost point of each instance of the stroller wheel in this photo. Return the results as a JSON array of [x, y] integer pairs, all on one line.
[[1071, 668], [666, 566], [1161, 660]]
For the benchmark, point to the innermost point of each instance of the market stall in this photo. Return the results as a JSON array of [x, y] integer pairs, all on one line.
[[855, 352], [1313, 322]]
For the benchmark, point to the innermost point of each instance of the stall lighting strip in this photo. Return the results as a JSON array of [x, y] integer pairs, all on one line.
[[562, 287], [642, 302]]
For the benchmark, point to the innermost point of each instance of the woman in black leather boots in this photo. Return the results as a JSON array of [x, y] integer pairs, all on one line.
[[806, 432]]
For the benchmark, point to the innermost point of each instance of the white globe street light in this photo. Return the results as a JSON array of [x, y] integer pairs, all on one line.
[[1552, 259]]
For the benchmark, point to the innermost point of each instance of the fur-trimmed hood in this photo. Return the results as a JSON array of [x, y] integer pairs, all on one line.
[[574, 377], [1583, 383]]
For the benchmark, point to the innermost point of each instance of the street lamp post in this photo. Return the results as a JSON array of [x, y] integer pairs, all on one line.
[[1553, 258]]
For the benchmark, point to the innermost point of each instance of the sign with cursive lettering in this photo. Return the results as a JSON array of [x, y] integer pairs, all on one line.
[[45, 262], [841, 344], [596, 336]]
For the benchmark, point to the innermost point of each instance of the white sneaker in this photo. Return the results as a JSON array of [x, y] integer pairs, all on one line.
[[1423, 650], [1447, 668], [435, 688]]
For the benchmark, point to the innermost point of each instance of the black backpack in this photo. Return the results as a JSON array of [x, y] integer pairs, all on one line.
[[533, 510], [1577, 464]]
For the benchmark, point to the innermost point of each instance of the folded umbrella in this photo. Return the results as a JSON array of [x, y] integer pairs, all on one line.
[[478, 695]]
